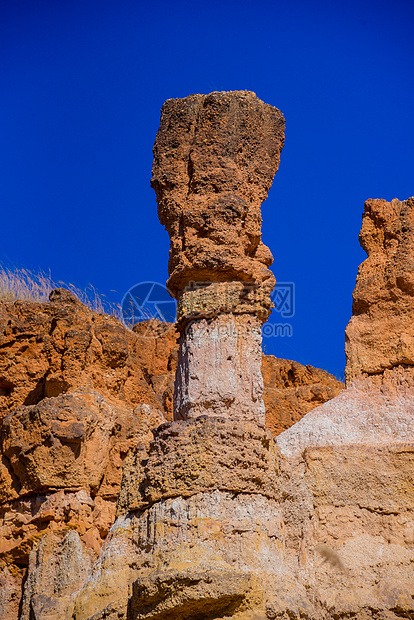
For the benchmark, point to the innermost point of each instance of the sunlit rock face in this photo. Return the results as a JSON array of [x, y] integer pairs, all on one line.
[[357, 450], [380, 334], [215, 157], [219, 369], [201, 503], [215, 520], [377, 408], [78, 392]]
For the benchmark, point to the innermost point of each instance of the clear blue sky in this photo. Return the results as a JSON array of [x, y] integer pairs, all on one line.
[[82, 84]]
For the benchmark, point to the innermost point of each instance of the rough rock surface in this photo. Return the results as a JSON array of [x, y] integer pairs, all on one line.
[[215, 157], [214, 519], [378, 405], [78, 391], [220, 554], [47, 349], [63, 448], [58, 568], [376, 410], [194, 456], [233, 345], [61, 468], [291, 390], [380, 333], [356, 452], [65, 339], [206, 556], [72, 441]]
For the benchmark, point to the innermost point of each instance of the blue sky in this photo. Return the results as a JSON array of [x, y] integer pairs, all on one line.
[[82, 84]]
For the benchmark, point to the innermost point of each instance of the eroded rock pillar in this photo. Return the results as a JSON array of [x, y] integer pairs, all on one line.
[[215, 157], [380, 334]]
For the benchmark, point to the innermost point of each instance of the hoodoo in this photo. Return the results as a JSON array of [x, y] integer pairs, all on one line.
[[215, 519], [215, 157]]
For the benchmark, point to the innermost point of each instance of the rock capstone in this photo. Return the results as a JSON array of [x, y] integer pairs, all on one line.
[[215, 157]]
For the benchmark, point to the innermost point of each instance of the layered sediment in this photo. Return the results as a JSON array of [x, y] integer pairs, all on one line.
[[215, 157], [377, 408], [214, 518], [213, 471], [78, 392]]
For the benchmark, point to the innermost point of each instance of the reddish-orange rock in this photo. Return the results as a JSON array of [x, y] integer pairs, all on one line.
[[202, 455], [31, 354], [215, 157], [47, 349], [215, 517], [377, 407], [291, 390], [380, 333], [62, 465], [78, 391], [82, 390]]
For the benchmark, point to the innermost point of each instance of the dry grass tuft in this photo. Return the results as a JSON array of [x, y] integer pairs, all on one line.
[[21, 284], [24, 285]]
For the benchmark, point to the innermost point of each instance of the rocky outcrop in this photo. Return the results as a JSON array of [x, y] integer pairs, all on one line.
[[333, 539], [357, 450], [78, 391], [214, 518], [82, 390], [66, 345], [201, 502], [217, 521], [378, 405], [61, 472], [47, 349], [291, 390], [215, 157], [376, 410], [380, 334], [62, 454], [202, 556], [197, 455]]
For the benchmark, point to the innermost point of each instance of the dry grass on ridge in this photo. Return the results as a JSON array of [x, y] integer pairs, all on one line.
[[24, 285]]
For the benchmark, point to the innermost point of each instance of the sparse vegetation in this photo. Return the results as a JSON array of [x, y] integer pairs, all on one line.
[[25, 285]]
